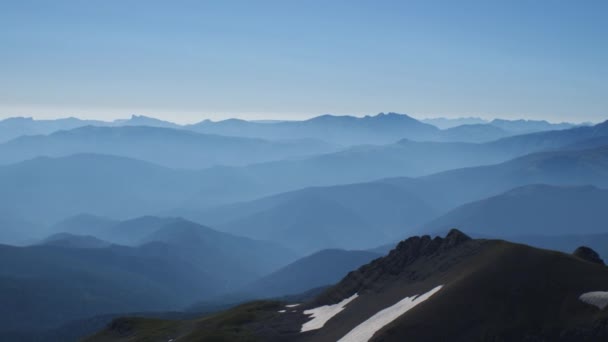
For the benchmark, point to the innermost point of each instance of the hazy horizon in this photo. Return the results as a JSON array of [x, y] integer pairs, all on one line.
[[188, 61], [379, 152], [193, 118]]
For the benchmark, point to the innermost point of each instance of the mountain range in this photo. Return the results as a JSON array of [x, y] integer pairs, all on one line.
[[56, 188], [426, 289], [367, 163], [389, 209], [319, 269], [531, 210], [344, 130], [352, 216], [175, 148], [174, 264], [181, 222]]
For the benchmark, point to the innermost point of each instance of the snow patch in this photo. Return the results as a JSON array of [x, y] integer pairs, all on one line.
[[596, 298], [291, 305], [324, 313], [367, 329], [281, 311]]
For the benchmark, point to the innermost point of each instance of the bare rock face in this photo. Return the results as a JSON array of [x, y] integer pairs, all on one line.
[[396, 264], [588, 254]]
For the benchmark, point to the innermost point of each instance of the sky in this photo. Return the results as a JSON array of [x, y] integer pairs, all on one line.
[[186, 61]]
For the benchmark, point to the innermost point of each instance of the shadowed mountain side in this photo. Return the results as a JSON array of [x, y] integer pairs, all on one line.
[[323, 268], [357, 164], [566, 243], [531, 210], [239, 258], [61, 187], [178, 263], [44, 286], [130, 232], [390, 206], [97, 184], [447, 190], [397, 206], [351, 216], [174, 148], [74, 241], [16, 230], [454, 288]]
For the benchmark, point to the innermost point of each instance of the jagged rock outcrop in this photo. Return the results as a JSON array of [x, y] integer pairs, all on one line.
[[372, 276], [588, 254]]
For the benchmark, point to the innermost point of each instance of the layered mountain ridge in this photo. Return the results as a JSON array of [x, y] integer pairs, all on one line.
[[426, 289]]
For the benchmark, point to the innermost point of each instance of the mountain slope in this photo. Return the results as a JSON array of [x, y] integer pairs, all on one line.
[[531, 210], [353, 216], [235, 260], [45, 286], [229, 257], [426, 289], [174, 148], [175, 264], [366, 163], [399, 206], [16, 230], [549, 140], [74, 241], [96, 184], [323, 268], [447, 190]]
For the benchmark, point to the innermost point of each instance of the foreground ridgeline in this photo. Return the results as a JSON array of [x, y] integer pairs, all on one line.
[[426, 289]]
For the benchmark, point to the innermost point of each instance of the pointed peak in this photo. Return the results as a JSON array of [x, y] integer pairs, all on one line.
[[456, 237]]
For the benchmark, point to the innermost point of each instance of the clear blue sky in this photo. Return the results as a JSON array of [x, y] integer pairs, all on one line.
[[189, 60]]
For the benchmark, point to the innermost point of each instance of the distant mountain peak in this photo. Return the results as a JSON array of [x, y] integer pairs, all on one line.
[[143, 120], [18, 119]]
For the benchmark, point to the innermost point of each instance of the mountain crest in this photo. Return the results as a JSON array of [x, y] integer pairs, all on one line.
[[384, 270], [588, 254], [415, 247]]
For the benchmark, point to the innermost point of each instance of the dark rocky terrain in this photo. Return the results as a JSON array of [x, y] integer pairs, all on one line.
[[491, 290]]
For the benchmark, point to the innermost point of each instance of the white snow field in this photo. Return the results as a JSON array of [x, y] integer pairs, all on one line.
[[324, 313], [596, 298], [367, 329]]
